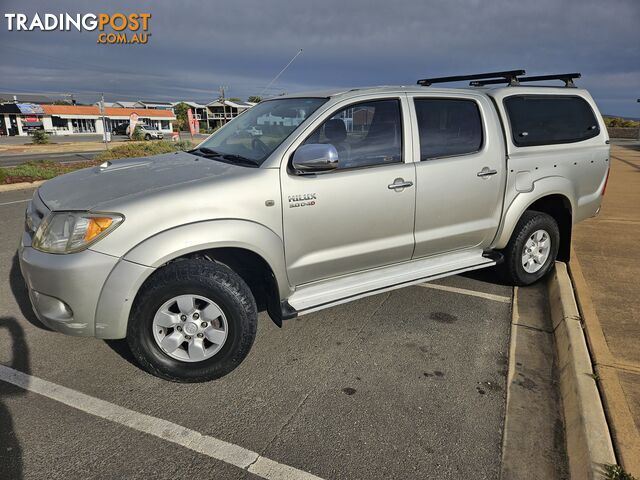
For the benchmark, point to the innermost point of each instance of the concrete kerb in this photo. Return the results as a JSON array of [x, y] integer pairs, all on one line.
[[589, 445], [19, 186], [621, 422]]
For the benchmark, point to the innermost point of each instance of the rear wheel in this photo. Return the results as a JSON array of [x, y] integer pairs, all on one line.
[[532, 249], [193, 321]]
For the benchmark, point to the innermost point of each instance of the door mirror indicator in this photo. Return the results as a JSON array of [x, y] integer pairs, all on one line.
[[314, 158]]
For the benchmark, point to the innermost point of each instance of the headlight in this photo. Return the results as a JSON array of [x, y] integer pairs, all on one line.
[[67, 232]]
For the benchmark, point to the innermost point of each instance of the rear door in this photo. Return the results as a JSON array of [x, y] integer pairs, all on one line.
[[460, 172]]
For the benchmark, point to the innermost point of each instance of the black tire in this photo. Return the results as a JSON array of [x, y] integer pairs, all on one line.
[[511, 269], [198, 277], [147, 137]]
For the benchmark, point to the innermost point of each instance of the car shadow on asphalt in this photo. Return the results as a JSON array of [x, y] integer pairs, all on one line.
[[121, 347], [11, 462], [21, 294], [486, 275]]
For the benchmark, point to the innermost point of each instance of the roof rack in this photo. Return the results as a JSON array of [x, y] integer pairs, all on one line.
[[567, 78], [508, 76]]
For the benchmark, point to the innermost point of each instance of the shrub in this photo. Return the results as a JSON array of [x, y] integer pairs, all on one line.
[[40, 137], [38, 170], [183, 145], [142, 149], [620, 122], [207, 130], [137, 134], [616, 472], [46, 169]]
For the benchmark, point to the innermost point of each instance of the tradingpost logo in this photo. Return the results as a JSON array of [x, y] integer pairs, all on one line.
[[113, 29]]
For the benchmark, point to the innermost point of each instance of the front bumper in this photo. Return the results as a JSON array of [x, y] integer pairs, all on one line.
[[64, 289], [84, 294]]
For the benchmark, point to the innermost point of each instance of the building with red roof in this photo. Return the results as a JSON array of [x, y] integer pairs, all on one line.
[[20, 119]]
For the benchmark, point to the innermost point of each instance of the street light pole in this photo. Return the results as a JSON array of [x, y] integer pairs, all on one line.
[[104, 123], [638, 100]]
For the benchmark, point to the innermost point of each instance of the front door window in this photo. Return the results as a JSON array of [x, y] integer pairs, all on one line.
[[364, 134]]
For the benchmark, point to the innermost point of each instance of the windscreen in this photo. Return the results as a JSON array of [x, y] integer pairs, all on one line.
[[256, 133]]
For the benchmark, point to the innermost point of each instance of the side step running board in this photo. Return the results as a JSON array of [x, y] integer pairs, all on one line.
[[328, 293]]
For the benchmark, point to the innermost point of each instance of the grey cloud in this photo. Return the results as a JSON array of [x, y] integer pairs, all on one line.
[[197, 46]]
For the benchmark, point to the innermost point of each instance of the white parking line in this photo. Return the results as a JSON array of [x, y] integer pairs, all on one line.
[[464, 291], [169, 431], [15, 201]]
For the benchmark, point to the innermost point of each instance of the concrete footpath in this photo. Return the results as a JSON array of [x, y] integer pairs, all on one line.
[[605, 269]]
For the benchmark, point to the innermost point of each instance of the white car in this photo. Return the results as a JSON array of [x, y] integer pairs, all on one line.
[[149, 133], [256, 132]]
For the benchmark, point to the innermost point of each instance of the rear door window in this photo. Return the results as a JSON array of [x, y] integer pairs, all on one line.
[[448, 127], [550, 119]]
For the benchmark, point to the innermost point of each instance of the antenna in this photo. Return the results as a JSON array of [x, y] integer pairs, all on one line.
[[281, 72]]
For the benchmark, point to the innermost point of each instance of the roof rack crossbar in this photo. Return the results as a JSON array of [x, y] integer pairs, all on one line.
[[508, 76], [567, 78]]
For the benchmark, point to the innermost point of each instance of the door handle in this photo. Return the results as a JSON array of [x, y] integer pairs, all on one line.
[[486, 172], [399, 183]]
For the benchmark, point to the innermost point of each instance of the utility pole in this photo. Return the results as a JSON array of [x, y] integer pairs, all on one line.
[[104, 123], [224, 105]]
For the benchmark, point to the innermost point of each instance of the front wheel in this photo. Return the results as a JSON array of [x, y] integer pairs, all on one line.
[[532, 249], [147, 137], [193, 321]]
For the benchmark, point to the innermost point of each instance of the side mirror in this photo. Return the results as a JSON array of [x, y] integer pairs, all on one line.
[[315, 157]]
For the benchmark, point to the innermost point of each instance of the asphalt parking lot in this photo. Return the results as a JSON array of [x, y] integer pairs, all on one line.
[[407, 384]]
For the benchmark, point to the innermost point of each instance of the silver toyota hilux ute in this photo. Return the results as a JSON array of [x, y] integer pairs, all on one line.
[[307, 201]]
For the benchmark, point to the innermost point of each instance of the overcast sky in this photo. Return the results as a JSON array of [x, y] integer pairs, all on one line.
[[196, 46]]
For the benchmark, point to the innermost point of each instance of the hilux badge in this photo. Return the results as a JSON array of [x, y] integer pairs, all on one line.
[[303, 200]]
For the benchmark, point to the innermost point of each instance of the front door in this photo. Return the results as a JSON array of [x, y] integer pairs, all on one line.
[[460, 170], [352, 218]]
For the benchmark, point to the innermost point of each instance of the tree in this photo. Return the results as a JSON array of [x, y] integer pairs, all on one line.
[[234, 99], [254, 99], [182, 121]]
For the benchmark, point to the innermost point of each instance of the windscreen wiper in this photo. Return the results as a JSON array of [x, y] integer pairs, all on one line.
[[240, 159], [204, 152], [210, 153]]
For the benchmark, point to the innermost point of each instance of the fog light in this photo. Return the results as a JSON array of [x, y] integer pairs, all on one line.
[[51, 307]]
